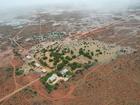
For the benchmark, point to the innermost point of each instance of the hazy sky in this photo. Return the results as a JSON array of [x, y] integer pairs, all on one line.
[[95, 4], [14, 3]]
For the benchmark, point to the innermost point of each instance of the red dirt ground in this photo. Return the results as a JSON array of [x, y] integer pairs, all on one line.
[[116, 83]]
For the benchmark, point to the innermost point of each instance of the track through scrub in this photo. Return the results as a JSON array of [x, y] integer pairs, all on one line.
[[14, 63], [56, 95], [68, 95], [18, 90], [14, 76], [59, 95]]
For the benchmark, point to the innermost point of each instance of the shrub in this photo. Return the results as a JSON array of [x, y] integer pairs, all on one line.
[[71, 52], [44, 58], [92, 53], [65, 61], [87, 54], [68, 58], [69, 73], [74, 56], [97, 50], [45, 78], [81, 52], [60, 66], [75, 65], [89, 64], [19, 71], [43, 50], [50, 60], [96, 60], [50, 88], [43, 63], [32, 63]]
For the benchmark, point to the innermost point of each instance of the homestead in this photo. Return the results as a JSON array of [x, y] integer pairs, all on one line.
[[60, 60]]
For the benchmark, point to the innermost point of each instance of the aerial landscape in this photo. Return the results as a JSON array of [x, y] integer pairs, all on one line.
[[70, 52]]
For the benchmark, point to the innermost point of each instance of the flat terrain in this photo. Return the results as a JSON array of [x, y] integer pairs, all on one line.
[[113, 83]]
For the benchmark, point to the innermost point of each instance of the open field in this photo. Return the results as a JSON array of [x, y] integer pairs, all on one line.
[[112, 48]]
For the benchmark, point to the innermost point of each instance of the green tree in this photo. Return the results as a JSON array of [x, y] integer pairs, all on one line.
[[60, 66], [19, 71], [43, 63], [75, 65]]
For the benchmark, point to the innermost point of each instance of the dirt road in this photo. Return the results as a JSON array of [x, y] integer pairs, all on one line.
[[18, 90]]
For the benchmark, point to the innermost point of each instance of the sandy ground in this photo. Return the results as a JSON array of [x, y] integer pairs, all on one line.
[[116, 83]]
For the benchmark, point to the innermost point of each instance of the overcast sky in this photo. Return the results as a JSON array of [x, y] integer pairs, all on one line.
[[95, 4], [19, 3]]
